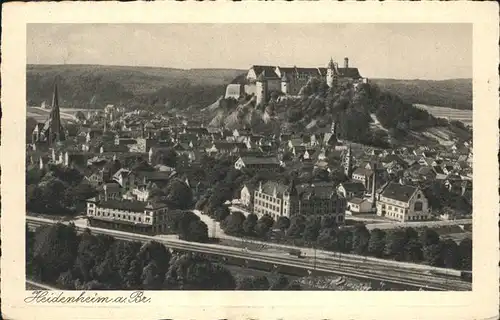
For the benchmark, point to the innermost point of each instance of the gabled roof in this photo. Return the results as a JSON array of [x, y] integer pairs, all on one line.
[[353, 186], [349, 72], [260, 160], [398, 192]]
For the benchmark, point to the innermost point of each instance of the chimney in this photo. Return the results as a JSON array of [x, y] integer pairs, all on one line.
[[374, 182], [346, 62]]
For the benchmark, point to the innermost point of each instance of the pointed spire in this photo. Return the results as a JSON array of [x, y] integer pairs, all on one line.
[[331, 64], [55, 129]]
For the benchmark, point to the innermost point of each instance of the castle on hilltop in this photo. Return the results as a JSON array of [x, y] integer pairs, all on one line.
[[261, 80]]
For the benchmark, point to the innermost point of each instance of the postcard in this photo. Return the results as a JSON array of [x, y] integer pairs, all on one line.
[[281, 160]]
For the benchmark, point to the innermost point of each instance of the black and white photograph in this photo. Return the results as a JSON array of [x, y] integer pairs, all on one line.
[[184, 164], [239, 157]]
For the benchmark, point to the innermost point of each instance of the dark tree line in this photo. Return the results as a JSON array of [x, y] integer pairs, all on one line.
[[58, 256]]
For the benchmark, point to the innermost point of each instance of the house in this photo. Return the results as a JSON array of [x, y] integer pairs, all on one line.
[[246, 196], [358, 206], [402, 203], [363, 175], [351, 189], [258, 163]]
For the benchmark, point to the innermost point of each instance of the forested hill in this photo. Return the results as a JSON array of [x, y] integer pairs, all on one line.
[[452, 93], [365, 113], [95, 85]]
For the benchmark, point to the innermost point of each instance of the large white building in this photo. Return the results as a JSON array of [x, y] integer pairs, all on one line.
[[129, 215], [402, 203], [277, 199]]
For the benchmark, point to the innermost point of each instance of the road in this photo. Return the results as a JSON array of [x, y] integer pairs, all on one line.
[[411, 275]]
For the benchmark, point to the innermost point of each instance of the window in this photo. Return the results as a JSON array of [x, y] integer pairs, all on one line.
[[418, 206], [418, 196]]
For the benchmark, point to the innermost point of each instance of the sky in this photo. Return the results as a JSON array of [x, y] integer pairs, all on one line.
[[398, 51]]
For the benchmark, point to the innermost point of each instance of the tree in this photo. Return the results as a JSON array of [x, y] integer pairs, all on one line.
[[428, 236], [413, 251], [221, 213], [280, 282], [151, 277], [55, 249], [179, 194], [191, 272], [66, 281], [233, 224], [183, 224], [344, 240], [156, 252], [360, 239], [327, 239], [250, 223], [282, 223], [451, 256], [264, 225], [297, 226], [198, 232], [395, 244], [311, 230], [328, 221], [433, 254], [200, 204], [376, 244], [465, 250]]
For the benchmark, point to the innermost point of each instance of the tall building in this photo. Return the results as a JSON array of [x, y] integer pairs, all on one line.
[[347, 162], [53, 130]]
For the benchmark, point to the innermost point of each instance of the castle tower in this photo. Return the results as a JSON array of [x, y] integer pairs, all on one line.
[[285, 83], [331, 75], [346, 62], [54, 130], [261, 89], [347, 163]]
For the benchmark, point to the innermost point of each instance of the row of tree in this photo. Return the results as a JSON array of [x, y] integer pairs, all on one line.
[[59, 256], [403, 244]]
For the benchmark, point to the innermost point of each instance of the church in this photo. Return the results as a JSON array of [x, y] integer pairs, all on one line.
[[52, 131], [261, 80]]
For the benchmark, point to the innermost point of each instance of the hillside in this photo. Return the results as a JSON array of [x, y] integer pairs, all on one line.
[[453, 93], [366, 114], [95, 86]]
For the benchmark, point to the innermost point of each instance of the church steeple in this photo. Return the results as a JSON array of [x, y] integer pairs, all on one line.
[[348, 162], [55, 129]]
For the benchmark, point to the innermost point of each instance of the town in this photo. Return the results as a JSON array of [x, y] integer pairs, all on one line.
[[307, 192]]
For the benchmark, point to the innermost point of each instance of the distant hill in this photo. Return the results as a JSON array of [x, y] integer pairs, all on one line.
[[453, 93], [97, 85]]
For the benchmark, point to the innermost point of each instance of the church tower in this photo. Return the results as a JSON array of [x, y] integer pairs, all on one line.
[[261, 89], [347, 162], [54, 129], [331, 74]]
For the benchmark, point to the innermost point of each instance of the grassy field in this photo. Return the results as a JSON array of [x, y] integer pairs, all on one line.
[[464, 116]]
